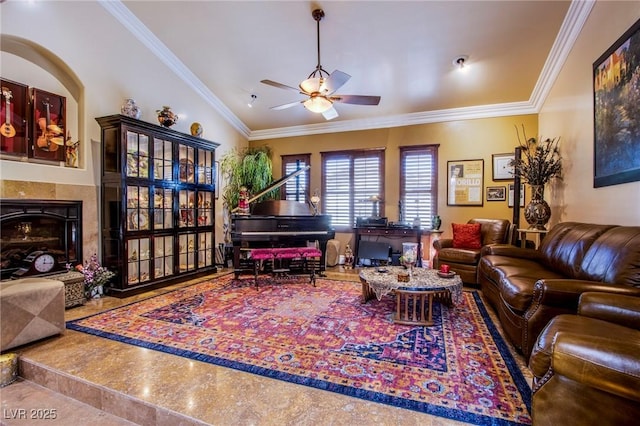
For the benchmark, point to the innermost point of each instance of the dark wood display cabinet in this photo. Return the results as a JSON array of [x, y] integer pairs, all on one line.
[[157, 204]]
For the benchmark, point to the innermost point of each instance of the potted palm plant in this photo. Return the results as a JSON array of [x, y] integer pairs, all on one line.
[[541, 162], [249, 168]]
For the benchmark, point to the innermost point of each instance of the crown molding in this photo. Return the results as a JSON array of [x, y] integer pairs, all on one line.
[[577, 15], [162, 52], [570, 29]]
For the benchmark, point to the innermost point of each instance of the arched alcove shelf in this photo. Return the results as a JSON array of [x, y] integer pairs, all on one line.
[[45, 61]]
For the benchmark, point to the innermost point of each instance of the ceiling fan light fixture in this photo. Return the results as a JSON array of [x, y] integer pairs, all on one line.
[[312, 85], [317, 104]]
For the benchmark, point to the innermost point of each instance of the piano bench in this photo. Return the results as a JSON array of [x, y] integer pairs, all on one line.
[[308, 257]]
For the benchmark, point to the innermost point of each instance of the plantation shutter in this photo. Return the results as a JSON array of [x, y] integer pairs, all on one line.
[[418, 183], [350, 179]]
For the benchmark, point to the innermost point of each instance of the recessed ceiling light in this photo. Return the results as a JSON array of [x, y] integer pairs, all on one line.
[[461, 62]]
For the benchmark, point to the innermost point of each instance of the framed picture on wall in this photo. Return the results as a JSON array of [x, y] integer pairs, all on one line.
[[465, 182], [616, 85], [502, 166], [48, 123], [14, 118], [512, 190], [496, 193]]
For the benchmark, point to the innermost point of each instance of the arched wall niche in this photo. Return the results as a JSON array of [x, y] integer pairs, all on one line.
[[46, 61]]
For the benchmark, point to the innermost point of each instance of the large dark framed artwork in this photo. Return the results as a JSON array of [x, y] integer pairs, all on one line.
[[14, 118], [616, 100], [49, 134]]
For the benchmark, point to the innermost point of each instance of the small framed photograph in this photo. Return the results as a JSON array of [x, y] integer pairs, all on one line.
[[512, 190], [496, 193], [502, 168]]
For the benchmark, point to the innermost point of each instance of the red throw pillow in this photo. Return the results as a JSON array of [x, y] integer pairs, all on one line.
[[467, 235]]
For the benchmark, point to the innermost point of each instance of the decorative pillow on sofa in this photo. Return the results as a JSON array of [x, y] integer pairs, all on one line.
[[467, 235]]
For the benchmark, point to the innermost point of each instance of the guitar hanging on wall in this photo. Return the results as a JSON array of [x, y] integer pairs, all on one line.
[[7, 130], [49, 139]]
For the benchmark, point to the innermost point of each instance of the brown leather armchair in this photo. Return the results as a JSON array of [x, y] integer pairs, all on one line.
[[586, 367], [464, 261]]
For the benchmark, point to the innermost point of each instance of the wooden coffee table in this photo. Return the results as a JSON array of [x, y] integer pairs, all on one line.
[[414, 299]]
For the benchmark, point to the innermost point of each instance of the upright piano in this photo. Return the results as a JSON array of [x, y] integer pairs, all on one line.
[[279, 223]]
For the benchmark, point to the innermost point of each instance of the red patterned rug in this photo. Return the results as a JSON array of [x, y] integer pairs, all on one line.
[[324, 337]]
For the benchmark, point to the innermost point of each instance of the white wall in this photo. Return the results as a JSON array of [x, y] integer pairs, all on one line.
[[109, 64], [568, 113]]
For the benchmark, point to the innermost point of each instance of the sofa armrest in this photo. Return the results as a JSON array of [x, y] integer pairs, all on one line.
[[566, 292], [606, 364], [443, 243], [616, 308], [511, 251]]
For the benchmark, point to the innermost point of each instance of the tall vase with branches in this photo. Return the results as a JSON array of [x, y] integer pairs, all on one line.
[[249, 167], [541, 163]]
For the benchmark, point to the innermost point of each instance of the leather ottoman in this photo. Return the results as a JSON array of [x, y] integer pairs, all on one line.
[[32, 308]]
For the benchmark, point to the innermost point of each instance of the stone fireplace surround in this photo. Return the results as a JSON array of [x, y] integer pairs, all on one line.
[[13, 189]]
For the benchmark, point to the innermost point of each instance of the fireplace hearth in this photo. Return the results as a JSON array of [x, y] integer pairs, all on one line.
[[31, 226]]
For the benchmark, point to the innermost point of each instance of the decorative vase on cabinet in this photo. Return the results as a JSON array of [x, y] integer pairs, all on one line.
[[166, 117], [130, 109]]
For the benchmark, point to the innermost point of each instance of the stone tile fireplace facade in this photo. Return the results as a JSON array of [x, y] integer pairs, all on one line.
[[88, 194], [28, 226]]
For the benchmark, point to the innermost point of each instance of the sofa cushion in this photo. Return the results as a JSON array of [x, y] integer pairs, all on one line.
[[455, 255], [515, 278], [467, 235], [614, 257], [566, 245]]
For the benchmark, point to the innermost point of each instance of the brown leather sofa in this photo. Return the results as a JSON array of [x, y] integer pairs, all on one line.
[[586, 367], [528, 287], [464, 261]]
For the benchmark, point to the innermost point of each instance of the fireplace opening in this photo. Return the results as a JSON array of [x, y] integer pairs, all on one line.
[[29, 226]]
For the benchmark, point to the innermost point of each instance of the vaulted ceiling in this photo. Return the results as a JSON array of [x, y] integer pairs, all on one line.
[[402, 51]]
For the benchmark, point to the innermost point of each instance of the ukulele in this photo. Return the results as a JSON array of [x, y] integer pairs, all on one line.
[[7, 130], [49, 139]]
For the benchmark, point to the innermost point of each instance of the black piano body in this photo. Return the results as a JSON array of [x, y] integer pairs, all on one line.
[[279, 223]]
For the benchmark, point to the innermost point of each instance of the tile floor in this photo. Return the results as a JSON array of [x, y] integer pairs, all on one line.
[[83, 379]]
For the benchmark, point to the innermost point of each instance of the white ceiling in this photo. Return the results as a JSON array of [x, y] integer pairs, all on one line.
[[402, 51]]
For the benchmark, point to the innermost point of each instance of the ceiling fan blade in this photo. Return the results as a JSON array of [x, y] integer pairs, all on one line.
[[356, 99], [279, 85], [330, 114], [285, 106], [335, 81]]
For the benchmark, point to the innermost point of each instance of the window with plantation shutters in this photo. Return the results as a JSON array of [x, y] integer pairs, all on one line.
[[419, 183], [350, 179], [297, 188]]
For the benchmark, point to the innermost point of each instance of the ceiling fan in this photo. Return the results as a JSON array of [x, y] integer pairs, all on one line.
[[320, 87]]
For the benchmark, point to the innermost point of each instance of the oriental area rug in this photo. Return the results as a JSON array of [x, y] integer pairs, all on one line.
[[324, 337]]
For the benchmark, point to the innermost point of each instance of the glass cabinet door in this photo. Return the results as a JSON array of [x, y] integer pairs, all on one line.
[[137, 155], [138, 255], [137, 207], [205, 249], [186, 163], [186, 199], [205, 208], [163, 256], [163, 208], [187, 247], [162, 160], [205, 167]]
